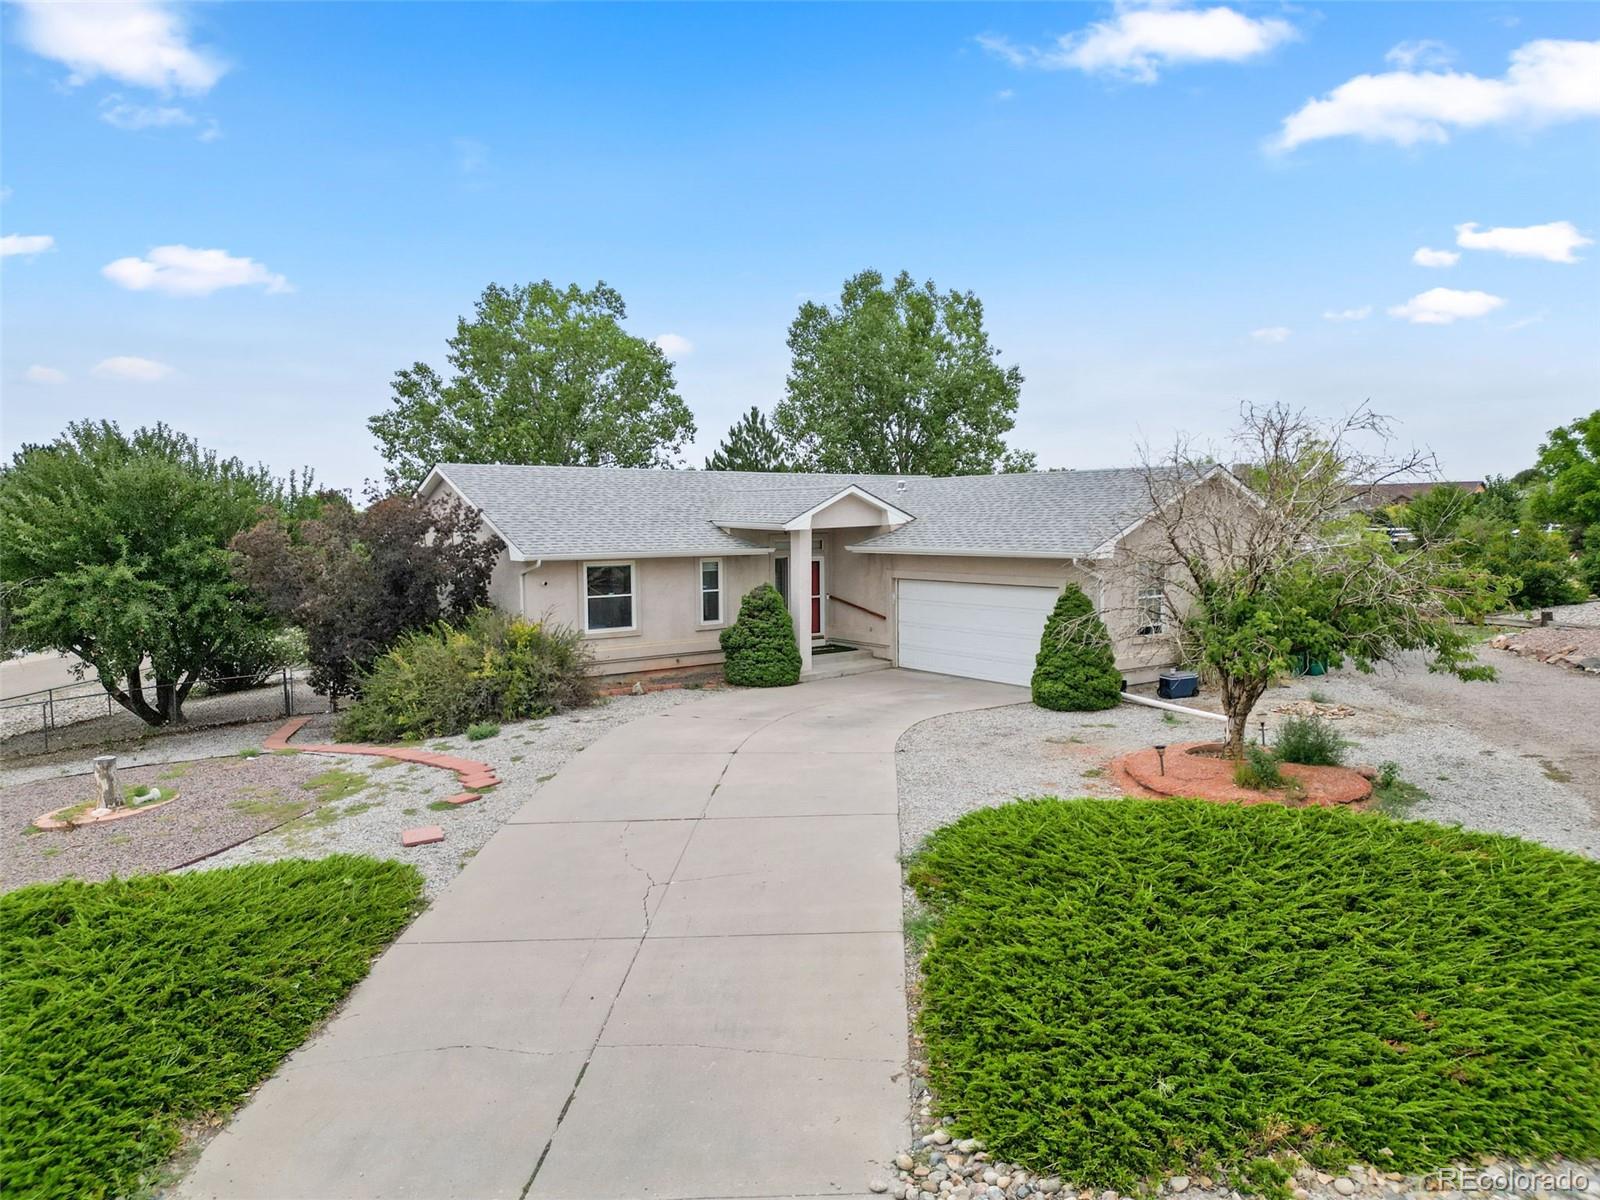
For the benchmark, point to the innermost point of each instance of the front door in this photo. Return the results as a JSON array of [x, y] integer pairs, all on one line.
[[816, 597]]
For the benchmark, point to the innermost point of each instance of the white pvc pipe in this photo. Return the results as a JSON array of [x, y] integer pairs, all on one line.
[[1170, 707]]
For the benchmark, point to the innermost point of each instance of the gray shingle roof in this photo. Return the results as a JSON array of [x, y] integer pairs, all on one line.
[[556, 512]]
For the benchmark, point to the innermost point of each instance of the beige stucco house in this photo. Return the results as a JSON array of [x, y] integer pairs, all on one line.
[[953, 575]]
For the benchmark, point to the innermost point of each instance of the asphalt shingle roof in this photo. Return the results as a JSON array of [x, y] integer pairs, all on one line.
[[555, 512]]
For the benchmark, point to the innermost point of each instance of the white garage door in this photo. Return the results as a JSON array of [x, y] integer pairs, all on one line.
[[980, 630]]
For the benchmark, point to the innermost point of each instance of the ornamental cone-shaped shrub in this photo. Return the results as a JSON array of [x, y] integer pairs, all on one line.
[[1076, 669], [759, 648]]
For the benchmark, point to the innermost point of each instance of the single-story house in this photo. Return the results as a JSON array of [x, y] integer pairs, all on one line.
[[1382, 495], [953, 575]]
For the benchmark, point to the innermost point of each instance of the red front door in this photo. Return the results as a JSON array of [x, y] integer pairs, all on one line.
[[816, 597]]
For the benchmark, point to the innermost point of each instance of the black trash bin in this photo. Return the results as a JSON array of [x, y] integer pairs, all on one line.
[[1178, 685]]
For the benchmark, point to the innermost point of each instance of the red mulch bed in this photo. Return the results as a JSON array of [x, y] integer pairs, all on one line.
[[1197, 769]]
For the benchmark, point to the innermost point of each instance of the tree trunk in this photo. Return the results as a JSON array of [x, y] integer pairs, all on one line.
[[1238, 701], [132, 699], [105, 781]]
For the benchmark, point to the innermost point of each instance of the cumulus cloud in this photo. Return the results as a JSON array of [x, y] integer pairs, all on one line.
[[674, 345], [1272, 334], [144, 43], [1547, 81], [1445, 306], [25, 243], [39, 374], [1140, 41], [127, 366], [1348, 314], [1553, 242], [186, 271], [1426, 257], [114, 110]]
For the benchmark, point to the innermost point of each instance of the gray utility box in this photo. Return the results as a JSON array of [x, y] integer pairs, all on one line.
[[1178, 685]]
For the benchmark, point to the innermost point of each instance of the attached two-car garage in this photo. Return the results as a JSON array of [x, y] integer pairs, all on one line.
[[978, 630]]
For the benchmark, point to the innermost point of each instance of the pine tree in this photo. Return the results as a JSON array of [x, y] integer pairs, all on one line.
[[1076, 670], [751, 445]]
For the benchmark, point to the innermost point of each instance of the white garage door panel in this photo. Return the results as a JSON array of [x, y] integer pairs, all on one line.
[[980, 630]]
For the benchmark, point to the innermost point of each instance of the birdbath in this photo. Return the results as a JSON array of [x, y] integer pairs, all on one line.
[[105, 782]]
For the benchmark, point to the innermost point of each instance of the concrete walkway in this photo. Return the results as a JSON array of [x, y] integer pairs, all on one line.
[[676, 973]]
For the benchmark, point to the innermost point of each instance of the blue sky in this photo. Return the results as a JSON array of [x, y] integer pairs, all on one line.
[[1160, 206]]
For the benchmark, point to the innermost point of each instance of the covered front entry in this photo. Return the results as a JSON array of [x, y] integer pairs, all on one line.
[[979, 630]]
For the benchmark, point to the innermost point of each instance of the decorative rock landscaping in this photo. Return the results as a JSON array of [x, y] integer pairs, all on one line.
[[1575, 649], [1198, 769]]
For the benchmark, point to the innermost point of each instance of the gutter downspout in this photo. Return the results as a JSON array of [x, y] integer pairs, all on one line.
[[1168, 706], [522, 586]]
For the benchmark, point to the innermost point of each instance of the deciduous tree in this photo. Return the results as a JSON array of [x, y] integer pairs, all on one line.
[[540, 374], [898, 378], [114, 547]]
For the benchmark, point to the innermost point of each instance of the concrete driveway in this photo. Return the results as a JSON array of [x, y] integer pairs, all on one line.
[[676, 973]]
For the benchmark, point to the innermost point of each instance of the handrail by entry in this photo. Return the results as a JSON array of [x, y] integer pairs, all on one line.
[[857, 607]]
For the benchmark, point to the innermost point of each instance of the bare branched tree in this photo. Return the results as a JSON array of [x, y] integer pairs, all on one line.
[[1256, 565]]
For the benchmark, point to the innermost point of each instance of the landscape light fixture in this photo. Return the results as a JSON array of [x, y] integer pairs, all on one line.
[[1161, 757], [1263, 733]]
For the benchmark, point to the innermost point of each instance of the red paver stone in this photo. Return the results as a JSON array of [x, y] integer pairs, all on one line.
[[423, 835], [462, 798]]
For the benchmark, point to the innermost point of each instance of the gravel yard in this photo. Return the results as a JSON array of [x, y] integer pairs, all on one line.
[[954, 764], [220, 801], [400, 796]]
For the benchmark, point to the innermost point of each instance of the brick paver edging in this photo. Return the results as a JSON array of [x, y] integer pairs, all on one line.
[[474, 775]]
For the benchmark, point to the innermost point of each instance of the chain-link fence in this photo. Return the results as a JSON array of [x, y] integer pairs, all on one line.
[[85, 714]]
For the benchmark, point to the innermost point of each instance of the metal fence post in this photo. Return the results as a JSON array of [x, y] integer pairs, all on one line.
[[44, 721], [288, 695], [50, 699]]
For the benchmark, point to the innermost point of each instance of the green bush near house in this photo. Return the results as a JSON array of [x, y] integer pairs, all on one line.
[[1076, 670], [440, 681], [759, 649], [1311, 741], [133, 1006], [1165, 985]]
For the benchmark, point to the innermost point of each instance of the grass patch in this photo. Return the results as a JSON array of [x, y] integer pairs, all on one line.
[[440, 806], [250, 752], [132, 1006], [481, 731], [1153, 984], [337, 784], [383, 764]]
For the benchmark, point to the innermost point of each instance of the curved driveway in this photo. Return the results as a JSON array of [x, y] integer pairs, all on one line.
[[676, 973]]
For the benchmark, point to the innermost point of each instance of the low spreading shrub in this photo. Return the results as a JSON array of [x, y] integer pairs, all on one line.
[[481, 731], [1076, 669], [133, 1006], [1258, 770], [439, 681], [1155, 985], [759, 649], [1312, 741]]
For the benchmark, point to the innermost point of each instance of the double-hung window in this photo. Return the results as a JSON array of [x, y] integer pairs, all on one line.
[[608, 597], [1151, 604], [710, 591]]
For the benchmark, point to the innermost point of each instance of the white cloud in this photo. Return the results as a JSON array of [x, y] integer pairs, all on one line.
[[126, 366], [186, 271], [1426, 257], [25, 243], [1425, 52], [674, 345], [1272, 334], [1445, 306], [1005, 94], [1547, 81], [1553, 242], [140, 42], [1140, 41], [1348, 314], [114, 110], [38, 374]]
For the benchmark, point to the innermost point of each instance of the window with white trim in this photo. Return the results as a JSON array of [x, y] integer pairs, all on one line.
[[711, 591], [1150, 605], [608, 599]]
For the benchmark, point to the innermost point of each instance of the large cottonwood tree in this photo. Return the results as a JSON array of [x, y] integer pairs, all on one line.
[[539, 374]]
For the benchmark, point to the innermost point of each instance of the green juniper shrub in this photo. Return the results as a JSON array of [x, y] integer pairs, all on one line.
[[1076, 670], [1312, 741], [759, 649], [1258, 770], [482, 730], [131, 1007], [1589, 562], [1150, 985], [494, 667]]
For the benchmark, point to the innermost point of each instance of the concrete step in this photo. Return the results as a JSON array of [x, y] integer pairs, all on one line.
[[844, 662]]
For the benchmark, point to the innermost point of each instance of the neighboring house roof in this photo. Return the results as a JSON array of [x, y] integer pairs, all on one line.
[[1381, 495], [594, 512]]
